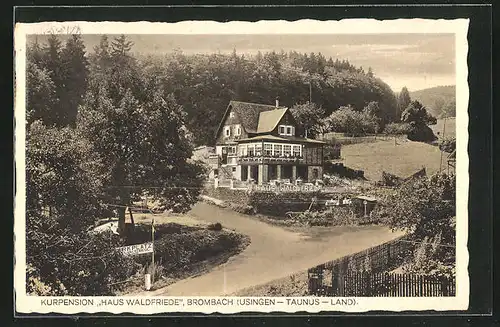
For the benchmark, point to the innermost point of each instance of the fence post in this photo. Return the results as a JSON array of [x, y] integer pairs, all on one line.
[[389, 255], [231, 183], [216, 182]]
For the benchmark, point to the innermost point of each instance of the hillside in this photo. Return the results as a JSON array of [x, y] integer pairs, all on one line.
[[437, 99], [402, 159]]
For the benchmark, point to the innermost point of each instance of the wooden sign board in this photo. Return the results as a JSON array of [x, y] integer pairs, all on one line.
[[136, 249]]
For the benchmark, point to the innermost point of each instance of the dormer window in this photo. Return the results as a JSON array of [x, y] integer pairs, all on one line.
[[227, 131], [286, 130]]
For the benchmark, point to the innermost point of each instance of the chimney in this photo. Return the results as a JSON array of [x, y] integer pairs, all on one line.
[[277, 102]]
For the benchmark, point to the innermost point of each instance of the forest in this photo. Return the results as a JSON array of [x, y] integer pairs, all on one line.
[[60, 73]]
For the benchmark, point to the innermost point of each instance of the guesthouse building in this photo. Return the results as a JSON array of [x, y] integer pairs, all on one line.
[[262, 143]]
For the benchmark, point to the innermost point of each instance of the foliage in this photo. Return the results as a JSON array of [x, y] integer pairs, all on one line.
[[310, 117], [142, 134], [62, 70], [60, 181], [404, 100], [177, 251], [40, 97], [425, 207], [418, 118], [63, 262], [215, 227], [416, 115], [439, 100], [448, 145], [397, 128], [351, 122]]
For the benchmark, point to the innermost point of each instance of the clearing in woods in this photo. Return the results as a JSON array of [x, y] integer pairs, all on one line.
[[402, 159]]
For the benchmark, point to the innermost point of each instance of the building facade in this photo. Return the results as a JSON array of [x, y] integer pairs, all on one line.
[[257, 142]]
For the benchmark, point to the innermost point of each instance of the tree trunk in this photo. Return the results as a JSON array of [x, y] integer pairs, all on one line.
[[124, 202]]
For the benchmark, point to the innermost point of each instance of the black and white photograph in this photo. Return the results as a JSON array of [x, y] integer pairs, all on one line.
[[241, 167]]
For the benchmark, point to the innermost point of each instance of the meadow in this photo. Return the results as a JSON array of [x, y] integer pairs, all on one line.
[[401, 158]]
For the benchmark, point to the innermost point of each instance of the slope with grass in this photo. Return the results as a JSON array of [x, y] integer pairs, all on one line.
[[449, 128], [401, 158]]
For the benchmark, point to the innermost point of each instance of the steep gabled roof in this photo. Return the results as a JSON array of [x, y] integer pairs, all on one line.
[[269, 119], [248, 114]]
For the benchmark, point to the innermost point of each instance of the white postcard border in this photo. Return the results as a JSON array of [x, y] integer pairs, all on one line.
[[459, 27]]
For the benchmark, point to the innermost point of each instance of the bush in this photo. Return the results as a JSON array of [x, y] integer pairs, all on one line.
[[342, 171], [177, 251], [448, 145], [215, 227], [397, 129], [79, 264], [244, 209], [421, 133]]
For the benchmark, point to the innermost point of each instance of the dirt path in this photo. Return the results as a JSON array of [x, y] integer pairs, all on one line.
[[273, 253]]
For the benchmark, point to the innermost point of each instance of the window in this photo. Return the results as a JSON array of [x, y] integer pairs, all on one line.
[[231, 150], [278, 148], [234, 169], [258, 149], [251, 150], [268, 149], [231, 114], [237, 130], [296, 150], [286, 130], [287, 150], [243, 149], [227, 131]]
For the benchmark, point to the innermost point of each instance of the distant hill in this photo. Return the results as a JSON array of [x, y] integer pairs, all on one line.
[[439, 100]]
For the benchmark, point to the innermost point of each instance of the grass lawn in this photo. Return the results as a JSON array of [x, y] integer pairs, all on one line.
[[402, 159], [450, 128]]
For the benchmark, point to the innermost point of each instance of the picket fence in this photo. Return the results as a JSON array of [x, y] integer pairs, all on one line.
[[359, 284], [365, 274]]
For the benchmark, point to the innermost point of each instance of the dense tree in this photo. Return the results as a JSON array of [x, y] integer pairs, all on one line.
[[60, 178], [425, 208], [404, 100], [351, 122], [41, 95], [310, 117], [143, 138], [76, 68], [418, 118]]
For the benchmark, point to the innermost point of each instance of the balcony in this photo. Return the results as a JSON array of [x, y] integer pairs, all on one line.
[[270, 159]]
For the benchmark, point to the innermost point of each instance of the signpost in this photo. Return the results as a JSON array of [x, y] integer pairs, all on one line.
[[136, 249]]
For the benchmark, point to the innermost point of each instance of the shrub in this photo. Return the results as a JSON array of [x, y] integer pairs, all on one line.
[[177, 251], [215, 227], [448, 145], [65, 263], [244, 209], [397, 129], [421, 133]]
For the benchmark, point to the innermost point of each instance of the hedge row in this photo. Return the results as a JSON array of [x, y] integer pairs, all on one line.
[[177, 252]]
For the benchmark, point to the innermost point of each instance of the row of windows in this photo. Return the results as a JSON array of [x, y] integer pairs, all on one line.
[[270, 149]]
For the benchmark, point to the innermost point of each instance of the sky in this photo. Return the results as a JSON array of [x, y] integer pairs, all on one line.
[[417, 61]]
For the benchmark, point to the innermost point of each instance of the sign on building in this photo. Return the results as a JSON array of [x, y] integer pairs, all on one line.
[[136, 249]]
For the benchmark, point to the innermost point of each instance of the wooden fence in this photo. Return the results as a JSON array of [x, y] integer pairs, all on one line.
[[365, 274], [358, 284]]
